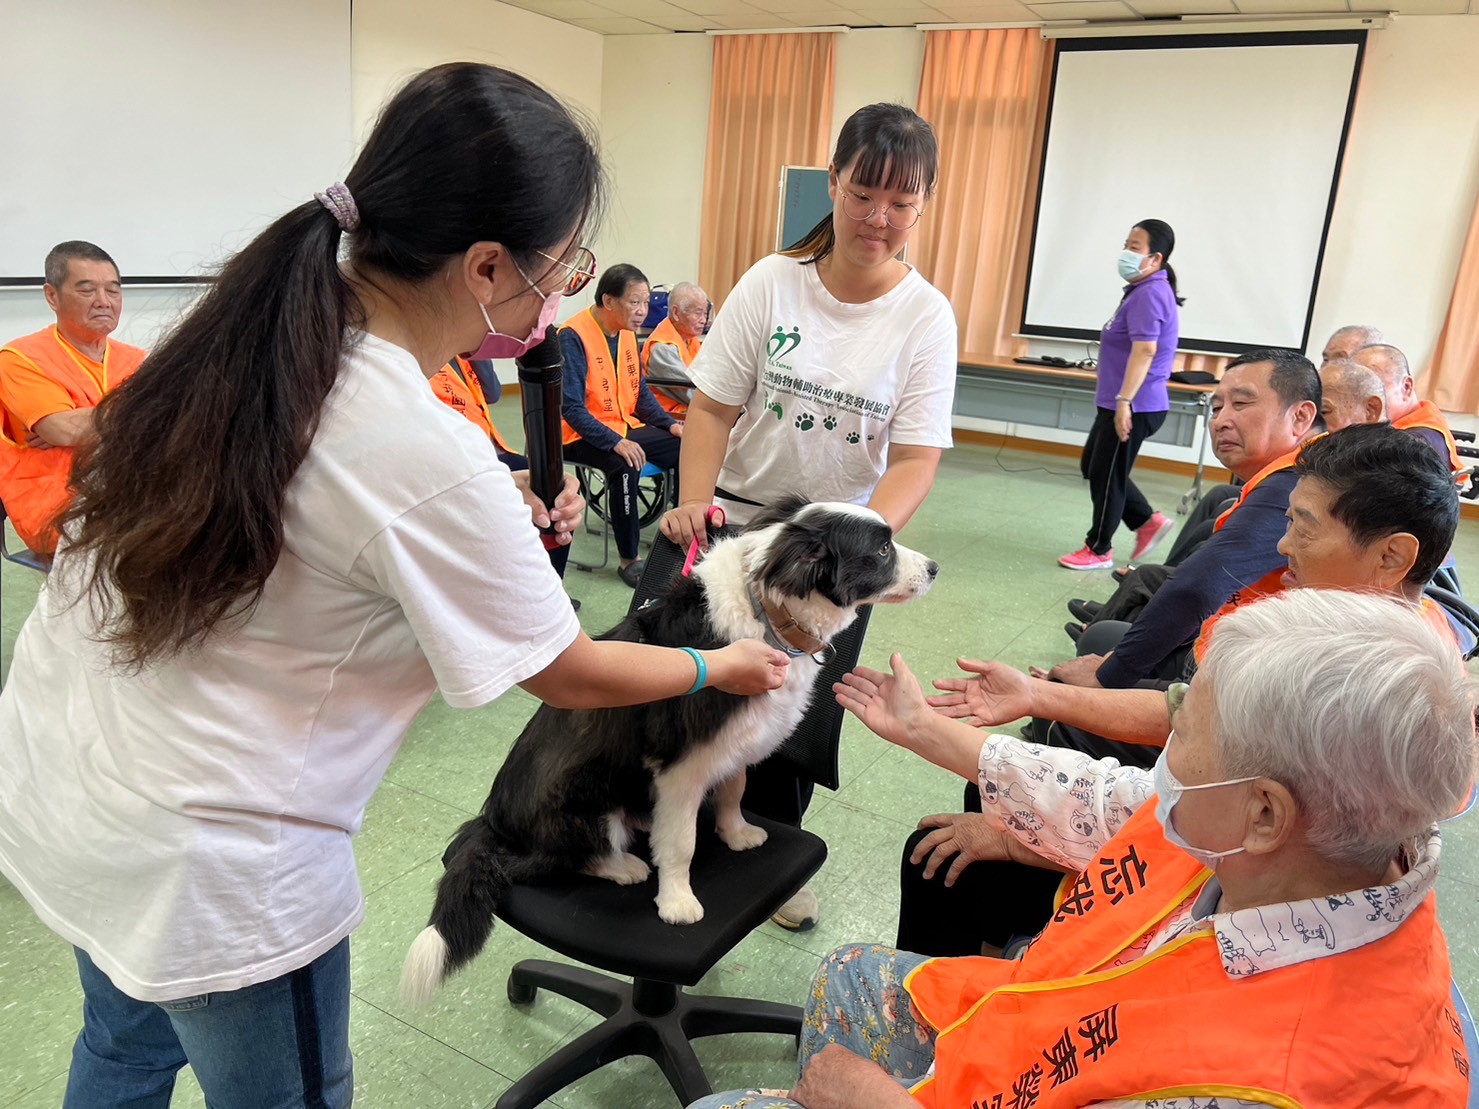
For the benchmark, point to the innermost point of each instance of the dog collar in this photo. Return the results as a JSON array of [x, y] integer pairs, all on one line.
[[784, 633]]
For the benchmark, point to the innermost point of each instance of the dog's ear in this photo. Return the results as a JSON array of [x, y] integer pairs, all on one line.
[[798, 561], [778, 511]]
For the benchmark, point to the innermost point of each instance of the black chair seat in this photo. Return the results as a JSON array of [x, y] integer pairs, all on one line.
[[617, 929]]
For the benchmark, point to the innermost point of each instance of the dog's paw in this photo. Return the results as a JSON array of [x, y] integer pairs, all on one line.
[[627, 870], [743, 837], [679, 908]]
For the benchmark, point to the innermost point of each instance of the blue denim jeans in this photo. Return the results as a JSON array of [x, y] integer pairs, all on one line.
[[282, 1044], [857, 1000]]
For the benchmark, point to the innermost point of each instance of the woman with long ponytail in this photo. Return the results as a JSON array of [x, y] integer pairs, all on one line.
[[281, 545], [1136, 352]]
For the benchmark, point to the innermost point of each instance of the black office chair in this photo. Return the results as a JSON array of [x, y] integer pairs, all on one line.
[[23, 557], [814, 745], [617, 928]]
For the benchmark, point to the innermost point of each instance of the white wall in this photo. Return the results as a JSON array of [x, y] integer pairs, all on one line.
[[1409, 186], [876, 64], [654, 133], [394, 39]]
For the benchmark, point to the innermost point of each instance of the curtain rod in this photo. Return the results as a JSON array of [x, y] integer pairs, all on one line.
[[839, 30]]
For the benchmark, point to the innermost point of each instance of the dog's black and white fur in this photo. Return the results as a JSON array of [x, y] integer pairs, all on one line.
[[577, 782]]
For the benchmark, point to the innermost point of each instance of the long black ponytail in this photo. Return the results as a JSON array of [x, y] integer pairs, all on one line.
[[180, 501], [1162, 242]]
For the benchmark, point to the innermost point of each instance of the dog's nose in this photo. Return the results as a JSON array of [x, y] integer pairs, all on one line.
[[932, 568]]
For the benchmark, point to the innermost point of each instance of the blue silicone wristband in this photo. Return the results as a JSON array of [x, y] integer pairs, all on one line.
[[703, 670]]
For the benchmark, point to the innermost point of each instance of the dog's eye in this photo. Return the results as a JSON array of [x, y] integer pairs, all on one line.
[[883, 550]]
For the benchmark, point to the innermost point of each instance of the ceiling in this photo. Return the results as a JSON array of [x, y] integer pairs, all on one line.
[[646, 17]]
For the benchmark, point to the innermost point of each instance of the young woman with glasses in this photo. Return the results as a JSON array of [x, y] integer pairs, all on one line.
[[830, 372], [282, 544]]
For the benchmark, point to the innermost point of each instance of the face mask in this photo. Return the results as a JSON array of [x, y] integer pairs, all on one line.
[[1130, 263], [497, 345], [1168, 791]]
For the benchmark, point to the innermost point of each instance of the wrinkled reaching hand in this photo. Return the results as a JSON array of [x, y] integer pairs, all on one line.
[[1081, 671], [746, 668], [568, 511], [996, 695], [890, 705]]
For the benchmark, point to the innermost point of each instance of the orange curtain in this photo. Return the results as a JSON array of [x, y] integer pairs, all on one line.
[[986, 93], [771, 106], [1452, 380]]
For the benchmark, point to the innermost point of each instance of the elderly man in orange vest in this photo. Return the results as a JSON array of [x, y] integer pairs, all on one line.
[[1251, 923], [1421, 417], [1345, 341], [674, 344], [612, 420], [51, 381]]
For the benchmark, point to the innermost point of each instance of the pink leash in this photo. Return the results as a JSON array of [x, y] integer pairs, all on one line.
[[715, 516]]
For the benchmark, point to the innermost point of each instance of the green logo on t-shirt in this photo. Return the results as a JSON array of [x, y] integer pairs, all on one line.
[[782, 343]]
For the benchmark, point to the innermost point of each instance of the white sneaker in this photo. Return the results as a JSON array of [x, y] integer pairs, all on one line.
[[801, 913]]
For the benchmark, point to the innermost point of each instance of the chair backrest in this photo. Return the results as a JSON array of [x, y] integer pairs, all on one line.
[[813, 746]]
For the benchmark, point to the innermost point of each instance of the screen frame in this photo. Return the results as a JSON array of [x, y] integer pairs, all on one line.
[[1192, 343]]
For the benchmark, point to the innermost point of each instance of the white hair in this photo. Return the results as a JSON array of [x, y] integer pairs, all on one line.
[[1368, 334], [1356, 705], [684, 291]]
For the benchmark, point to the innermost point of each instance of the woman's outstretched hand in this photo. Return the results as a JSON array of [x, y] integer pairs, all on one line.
[[995, 695]]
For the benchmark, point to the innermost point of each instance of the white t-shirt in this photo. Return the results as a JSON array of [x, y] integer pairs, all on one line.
[[826, 386], [190, 827]]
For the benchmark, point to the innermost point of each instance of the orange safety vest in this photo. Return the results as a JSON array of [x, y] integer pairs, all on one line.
[[1372, 1026], [33, 483], [1270, 583], [610, 395], [457, 385], [667, 332], [1429, 415]]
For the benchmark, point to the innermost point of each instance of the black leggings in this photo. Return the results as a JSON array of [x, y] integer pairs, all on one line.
[[1107, 462], [991, 902], [661, 448]]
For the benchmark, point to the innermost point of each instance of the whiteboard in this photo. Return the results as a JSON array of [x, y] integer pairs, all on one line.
[[166, 131], [1235, 141]]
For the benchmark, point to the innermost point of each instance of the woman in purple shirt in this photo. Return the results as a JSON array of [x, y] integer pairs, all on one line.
[[1136, 350]]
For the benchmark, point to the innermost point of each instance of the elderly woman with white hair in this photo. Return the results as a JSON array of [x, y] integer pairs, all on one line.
[[1251, 923]]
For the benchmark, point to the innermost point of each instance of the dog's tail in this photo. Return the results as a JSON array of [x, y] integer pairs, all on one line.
[[462, 918]]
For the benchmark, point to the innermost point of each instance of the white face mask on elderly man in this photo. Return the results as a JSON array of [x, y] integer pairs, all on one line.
[[1168, 791]]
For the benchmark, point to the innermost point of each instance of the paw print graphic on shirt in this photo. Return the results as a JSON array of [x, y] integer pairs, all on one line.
[[830, 423], [806, 421], [780, 413], [852, 436]]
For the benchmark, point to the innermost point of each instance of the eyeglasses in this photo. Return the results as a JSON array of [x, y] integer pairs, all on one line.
[[900, 217], [579, 270]]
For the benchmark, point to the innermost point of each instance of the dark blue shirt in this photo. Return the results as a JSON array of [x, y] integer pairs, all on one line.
[[579, 417], [1242, 552]]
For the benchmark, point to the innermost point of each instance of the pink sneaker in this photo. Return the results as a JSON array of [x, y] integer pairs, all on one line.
[[1086, 559], [1148, 534]]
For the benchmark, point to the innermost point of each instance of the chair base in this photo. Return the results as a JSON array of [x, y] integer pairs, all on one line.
[[643, 1017]]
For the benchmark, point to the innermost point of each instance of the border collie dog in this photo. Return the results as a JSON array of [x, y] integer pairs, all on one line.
[[578, 782]]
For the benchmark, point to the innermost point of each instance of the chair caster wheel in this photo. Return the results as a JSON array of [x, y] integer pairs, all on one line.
[[520, 993]]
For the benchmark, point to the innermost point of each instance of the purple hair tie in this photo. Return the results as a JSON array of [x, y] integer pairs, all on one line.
[[337, 200]]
